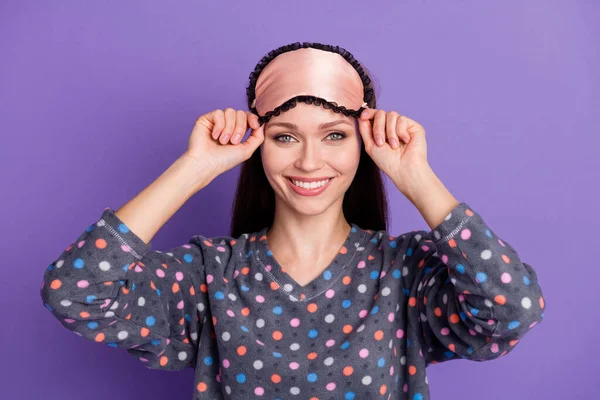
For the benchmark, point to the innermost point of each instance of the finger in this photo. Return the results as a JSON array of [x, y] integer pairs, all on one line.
[[255, 139], [365, 129], [379, 127], [402, 128], [219, 123], [241, 126], [230, 116], [367, 114], [252, 120], [390, 129]]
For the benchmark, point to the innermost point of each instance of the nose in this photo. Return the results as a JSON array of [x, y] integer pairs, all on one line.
[[309, 157]]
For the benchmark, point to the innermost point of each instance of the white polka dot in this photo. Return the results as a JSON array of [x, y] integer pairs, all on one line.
[[405, 271], [294, 346], [59, 263], [386, 291], [362, 288], [65, 303], [260, 323], [329, 318], [122, 335], [104, 265], [295, 390], [182, 355], [258, 276], [101, 223], [526, 303], [488, 303], [257, 364], [366, 380], [486, 254], [109, 314], [287, 287], [228, 389], [360, 328], [141, 302], [328, 361], [232, 297], [226, 336], [403, 360], [431, 282], [200, 307]]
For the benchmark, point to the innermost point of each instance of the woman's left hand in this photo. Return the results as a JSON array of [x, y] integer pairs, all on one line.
[[396, 144]]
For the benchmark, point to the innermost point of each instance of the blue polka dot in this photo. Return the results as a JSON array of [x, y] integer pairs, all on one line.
[[396, 274], [313, 333], [349, 396], [123, 228], [393, 244], [513, 324], [481, 277], [312, 377], [460, 268], [409, 252], [90, 298], [374, 274], [474, 311], [208, 360], [150, 321], [241, 378], [381, 362], [327, 274], [276, 354], [188, 257], [418, 396], [526, 280], [375, 310], [219, 295], [155, 342], [92, 325], [245, 288], [78, 263], [269, 253], [277, 310], [244, 328], [346, 303], [345, 345]]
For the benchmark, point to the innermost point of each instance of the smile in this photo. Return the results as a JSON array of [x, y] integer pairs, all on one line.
[[313, 188]]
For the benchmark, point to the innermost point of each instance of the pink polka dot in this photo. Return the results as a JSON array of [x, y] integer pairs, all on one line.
[[160, 273], [230, 313], [138, 268], [125, 248], [330, 386], [364, 353], [405, 387], [221, 249], [180, 305], [465, 234], [330, 293], [259, 391], [391, 317], [363, 313], [268, 267], [236, 273], [295, 322], [294, 365], [425, 248], [81, 243], [399, 333], [494, 348], [226, 363], [506, 278], [391, 370], [83, 284], [209, 278], [330, 343], [361, 264], [260, 299], [445, 331], [179, 276], [382, 274], [445, 259]]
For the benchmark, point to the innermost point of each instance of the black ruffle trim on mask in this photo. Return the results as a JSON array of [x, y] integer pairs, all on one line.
[[368, 97]]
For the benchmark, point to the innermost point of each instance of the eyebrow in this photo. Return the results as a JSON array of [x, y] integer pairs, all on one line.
[[322, 126]]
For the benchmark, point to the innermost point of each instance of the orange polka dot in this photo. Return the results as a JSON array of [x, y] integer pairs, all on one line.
[[84, 314], [245, 270], [206, 242], [505, 258], [346, 280], [412, 301], [144, 332], [438, 312], [452, 347], [164, 360], [452, 243], [241, 350], [101, 243], [203, 288], [382, 389], [56, 284], [202, 387], [274, 286], [175, 287], [469, 213], [378, 335], [348, 370], [192, 290], [99, 337], [312, 307], [311, 356], [343, 250], [277, 335], [347, 328], [500, 299], [513, 342], [232, 242], [275, 378], [454, 318], [541, 302], [412, 370], [245, 311]]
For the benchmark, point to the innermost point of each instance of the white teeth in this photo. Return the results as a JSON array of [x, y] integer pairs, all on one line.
[[310, 185]]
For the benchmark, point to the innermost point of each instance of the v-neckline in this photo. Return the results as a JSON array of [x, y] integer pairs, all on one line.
[[281, 280]]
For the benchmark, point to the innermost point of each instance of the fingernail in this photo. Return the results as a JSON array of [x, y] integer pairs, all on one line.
[[235, 137], [226, 138], [394, 143], [379, 140]]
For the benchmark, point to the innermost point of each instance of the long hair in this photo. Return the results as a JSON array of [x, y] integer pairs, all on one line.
[[365, 202]]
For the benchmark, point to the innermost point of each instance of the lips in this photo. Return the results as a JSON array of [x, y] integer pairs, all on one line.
[[309, 192]]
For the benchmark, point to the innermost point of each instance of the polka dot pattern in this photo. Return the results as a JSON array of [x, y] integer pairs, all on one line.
[[384, 309]]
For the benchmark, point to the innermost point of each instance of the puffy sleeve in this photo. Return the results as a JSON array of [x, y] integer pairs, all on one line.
[[109, 287], [469, 294]]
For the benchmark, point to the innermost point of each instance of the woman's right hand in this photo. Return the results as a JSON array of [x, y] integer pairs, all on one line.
[[215, 141]]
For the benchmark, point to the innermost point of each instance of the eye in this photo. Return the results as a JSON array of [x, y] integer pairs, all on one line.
[[340, 135], [278, 138]]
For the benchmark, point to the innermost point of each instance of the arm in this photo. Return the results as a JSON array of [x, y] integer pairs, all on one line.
[[470, 296], [109, 287]]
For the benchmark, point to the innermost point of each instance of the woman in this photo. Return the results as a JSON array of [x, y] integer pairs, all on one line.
[[309, 297]]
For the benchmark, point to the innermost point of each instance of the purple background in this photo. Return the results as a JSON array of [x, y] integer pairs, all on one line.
[[97, 100]]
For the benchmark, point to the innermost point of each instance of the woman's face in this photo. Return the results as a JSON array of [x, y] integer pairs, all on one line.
[[297, 146]]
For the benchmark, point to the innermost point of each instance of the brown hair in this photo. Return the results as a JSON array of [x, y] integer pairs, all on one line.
[[365, 202]]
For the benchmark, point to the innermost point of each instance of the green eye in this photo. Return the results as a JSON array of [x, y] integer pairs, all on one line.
[[341, 135]]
